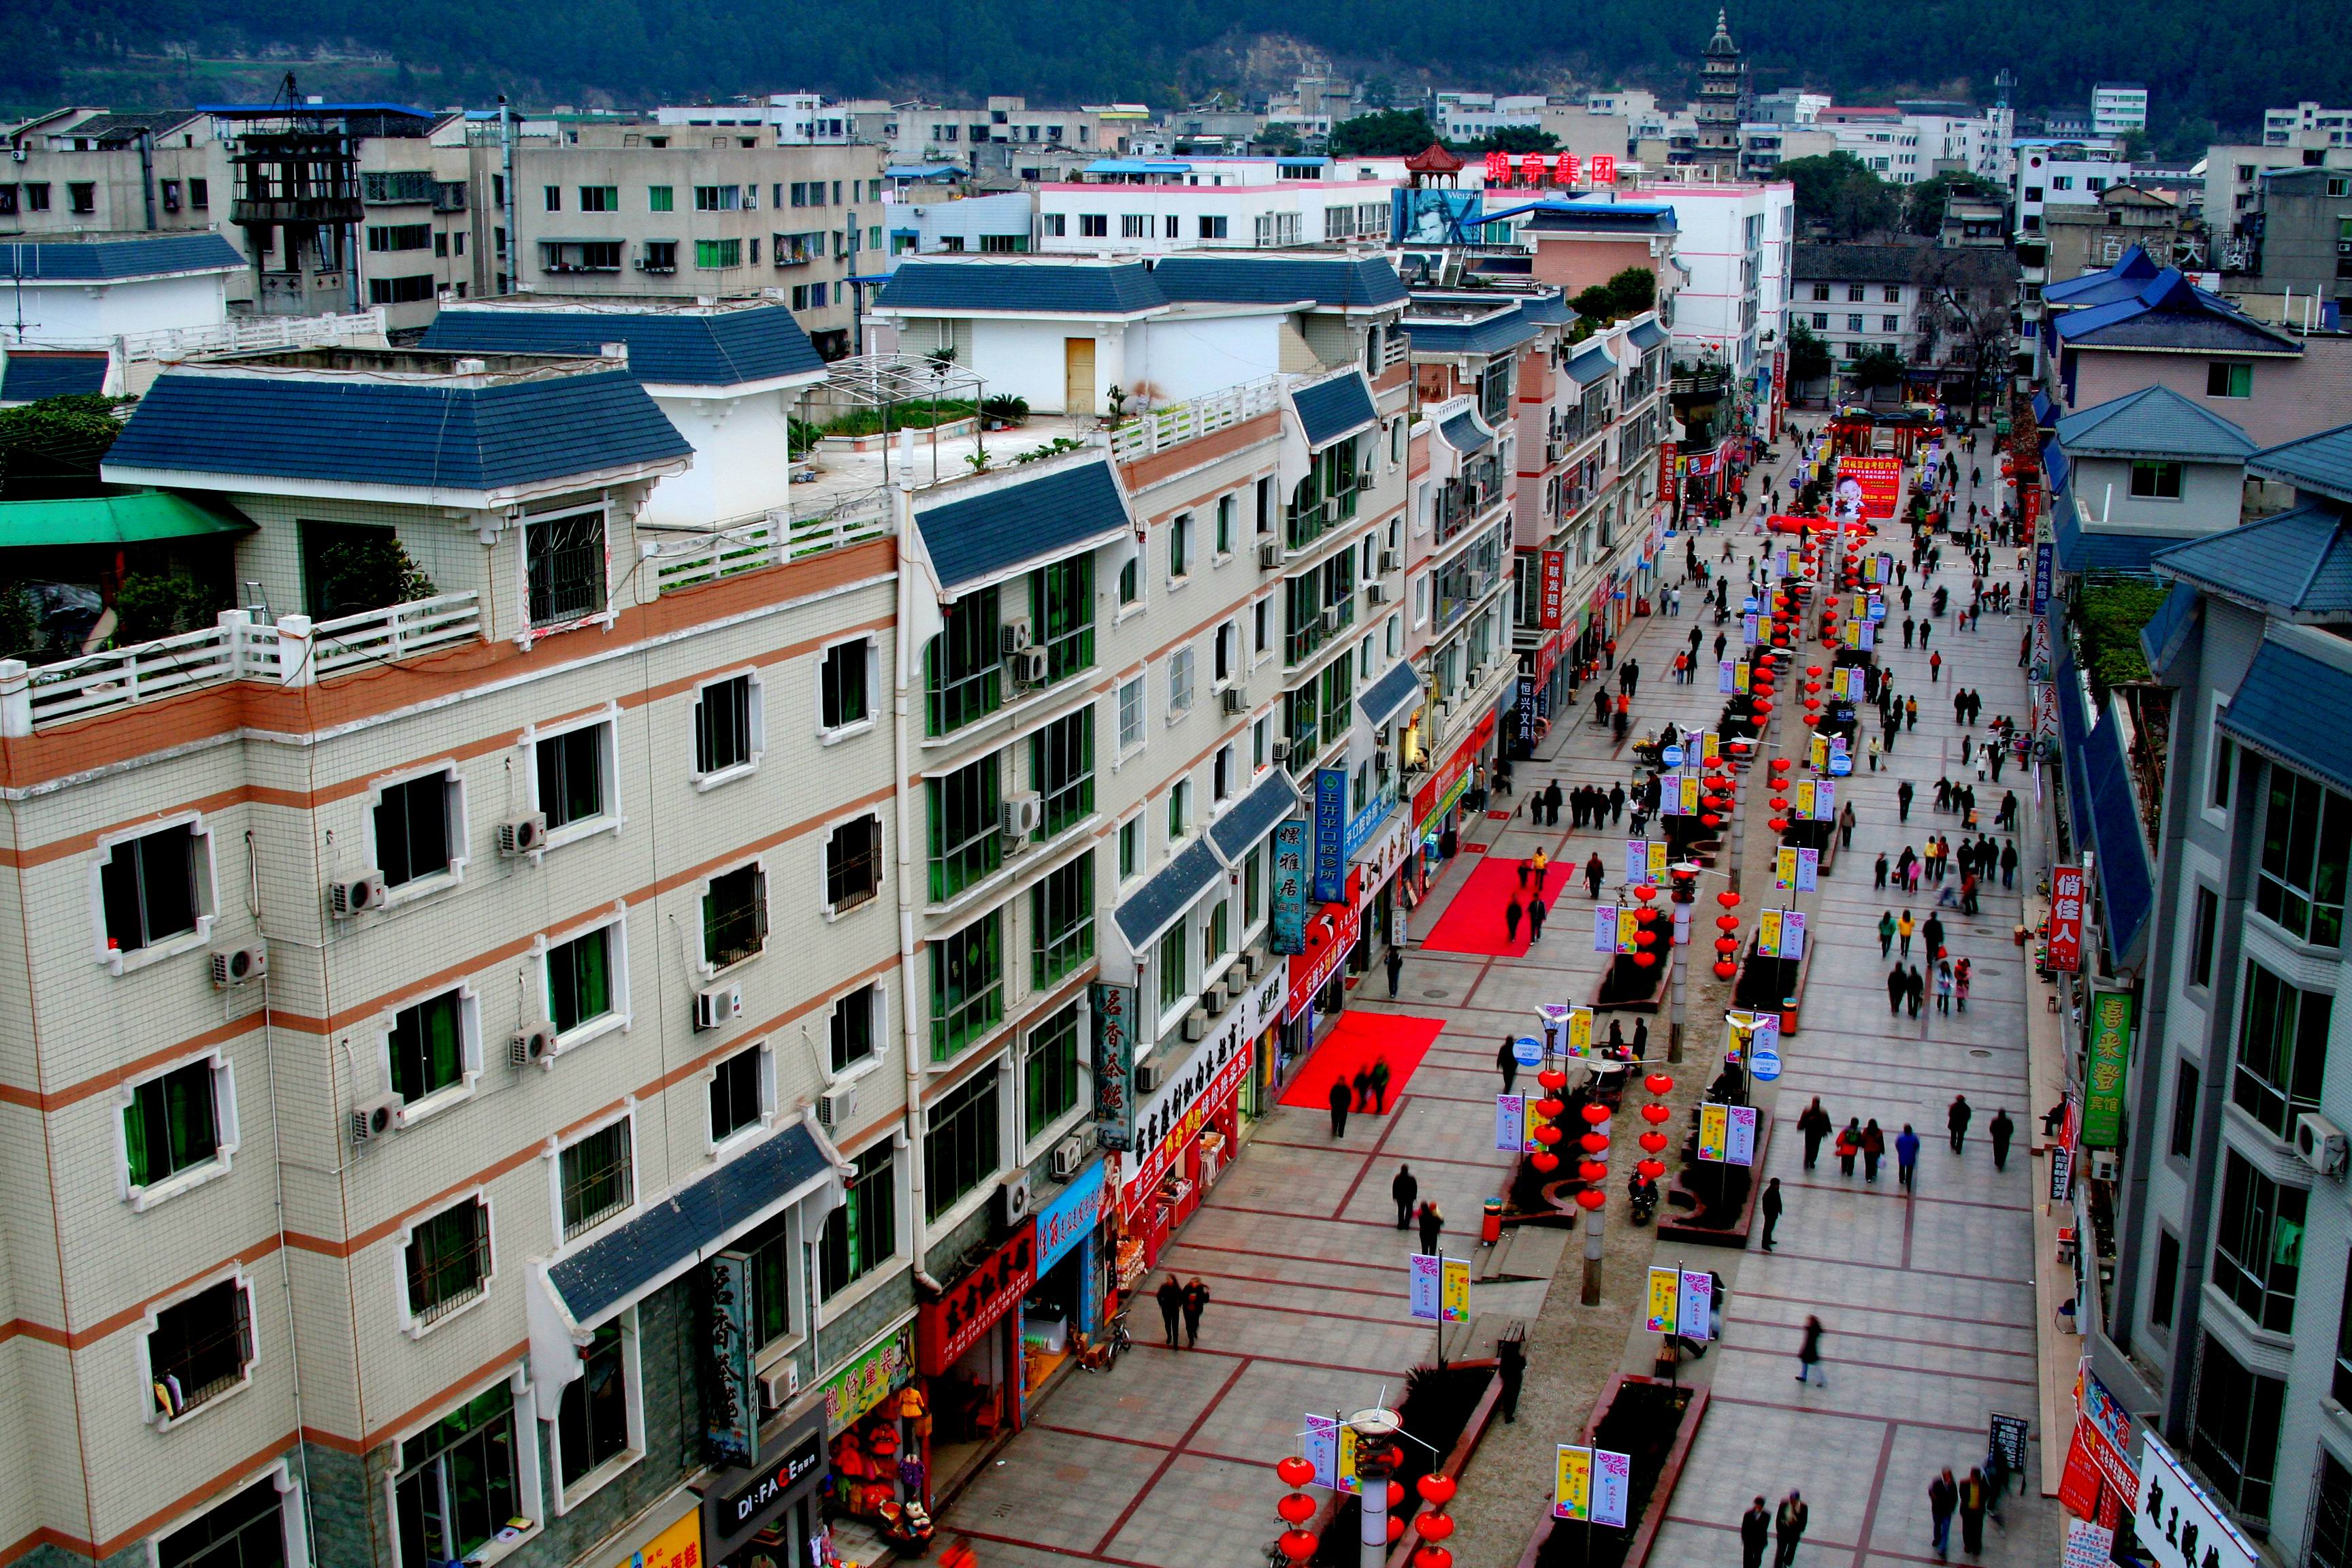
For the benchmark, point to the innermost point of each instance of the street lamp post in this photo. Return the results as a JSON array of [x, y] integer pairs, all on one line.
[[1376, 1431]]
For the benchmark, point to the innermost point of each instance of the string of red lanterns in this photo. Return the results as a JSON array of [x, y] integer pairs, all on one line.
[[1654, 1141], [1297, 1542]]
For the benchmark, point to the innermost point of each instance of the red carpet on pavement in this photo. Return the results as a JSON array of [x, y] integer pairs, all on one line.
[[1473, 922], [1357, 1040]]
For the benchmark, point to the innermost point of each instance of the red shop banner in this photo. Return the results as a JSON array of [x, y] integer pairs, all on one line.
[[1330, 934], [1555, 588], [1881, 480], [975, 1304], [1213, 1100], [1666, 471], [2065, 949]]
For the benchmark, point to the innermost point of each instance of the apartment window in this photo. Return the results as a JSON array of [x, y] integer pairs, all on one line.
[[458, 1481], [1854, 293], [2331, 1514], [448, 1260], [199, 194], [554, 198], [1821, 290], [1049, 1072], [400, 237], [1262, 627], [592, 1423], [1057, 224], [1228, 518], [1853, 323], [2225, 765], [962, 1149], [1266, 496], [862, 1234], [963, 676], [1180, 546], [841, 685], [600, 198], [1180, 812], [967, 840], [1253, 889], [566, 566], [414, 828], [2226, 380], [660, 199], [1062, 609], [1821, 320], [1216, 935], [583, 985], [1130, 581], [2307, 845], [2185, 1083], [718, 198], [734, 915], [36, 196], [2166, 1283], [2152, 480], [572, 769], [1130, 715], [1180, 683], [2282, 1050], [1062, 916], [428, 1046], [2233, 1436], [176, 1123], [596, 1178], [1131, 848], [248, 1531], [1062, 768], [150, 887], [1094, 225], [2203, 928], [726, 726], [1213, 227], [1168, 959], [201, 1347], [1890, 323], [1225, 653], [82, 196], [412, 290], [853, 863], [966, 984], [738, 1093], [853, 1028], [2258, 1244], [661, 256], [717, 255], [1135, 225]]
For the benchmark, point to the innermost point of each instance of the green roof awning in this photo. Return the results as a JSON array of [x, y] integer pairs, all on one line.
[[137, 518]]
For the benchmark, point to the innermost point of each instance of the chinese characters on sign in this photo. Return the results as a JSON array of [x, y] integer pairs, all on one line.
[[953, 1324], [1289, 888], [730, 1432], [1114, 1017], [1553, 603], [1330, 832], [2110, 1051], [2065, 949]]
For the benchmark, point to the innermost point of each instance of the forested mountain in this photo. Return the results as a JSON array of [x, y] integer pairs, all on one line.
[[2222, 61]]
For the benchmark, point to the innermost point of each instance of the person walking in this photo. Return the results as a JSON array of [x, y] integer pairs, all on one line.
[[1849, 1144], [1845, 826], [1170, 1296], [1935, 668], [1196, 1302], [1906, 1154], [1507, 1062], [1898, 986], [2000, 1129], [1957, 1117], [1887, 919], [1540, 864], [1790, 1519], [1406, 1190], [1974, 1495], [1874, 1149], [1395, 966], [1536, 912], [1511, 1366], [1879, 884], [1903, 794], [1379, 1081], [1918, 998], [1943, 1497], [1363, 1086], [1340, 1099], [1809, 1355], [1432, 1225], [1911, 710], [1814, 1124], [1771, 1208], [1903, 930], [1594, 874], [1616, 803], [1511, 914], [1944, 988], [1755, 1535], [2009, 854], [1874, 753]]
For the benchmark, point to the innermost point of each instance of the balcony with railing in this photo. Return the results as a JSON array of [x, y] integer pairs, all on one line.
[[688, 559], [1173, 423]]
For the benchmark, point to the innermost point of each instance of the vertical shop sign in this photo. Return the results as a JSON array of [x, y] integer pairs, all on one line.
[[730, 1429], [1553, 604], [1289, 887], [2065, 948], [1114, 1013], [2109, 1054], [1330, 833]]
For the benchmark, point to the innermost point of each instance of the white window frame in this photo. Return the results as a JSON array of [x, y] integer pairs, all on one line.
[[409, 1325], [564, 1500], [1183, 528], [881, 863], [118, 962], [1227, 515], [759, 722], [2216, 711], [1236, 662], [838, 733], [1140, 683], [148, 1319], [704, 969], [278, 1473], [529, 1496], [877, 998], [606, 617], [460, 831], [1142, 849], [1421, 599], [609, 820], [224, 1132], [1008, 1135], [1261, 734], [759, 1127], [469, 1012], [1181, 661], [552, 1153], [615, 919]]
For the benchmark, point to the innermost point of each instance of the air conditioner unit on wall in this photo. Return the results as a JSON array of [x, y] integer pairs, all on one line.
[[1068, 1155], [1025, 813], [2319, 1144], [524, 835], [836, 1107], [235, 966], [372, 1119], [1012, 1198], [718, 1007], [347, 896], [1147, 1076], [533, 1045]]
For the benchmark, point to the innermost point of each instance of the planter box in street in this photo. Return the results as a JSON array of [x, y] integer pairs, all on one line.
[[1654, 1421], [1682, 1224], [1626, 987]]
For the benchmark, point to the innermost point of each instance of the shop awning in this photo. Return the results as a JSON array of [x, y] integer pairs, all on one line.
[[1465, 434], [1390, 694], [141, 517], [1243, 828], [2295, 711], [1161, 901]]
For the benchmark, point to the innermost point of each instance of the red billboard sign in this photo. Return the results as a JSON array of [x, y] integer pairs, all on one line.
[[1555, 588], [975, 1304], [1666, 471], [2066, 919], [1881, 480]]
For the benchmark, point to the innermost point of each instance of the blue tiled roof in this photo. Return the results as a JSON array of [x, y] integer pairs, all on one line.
[[1330, 409], [2154, 422], [687, 1227], [978, 539], [2321, 464], [1137, 166], [1646, 335], [2170, 312], [1122, 288], [1492, 334], [2043, 408], [1364, 281], [102, 260], [2125, 279], [2126, 888], [2295, 711], [1390, 695], [1605, 217], [414, 435], [1465, 434], [2167, 630], [31, 376], [1252, 816], [2055, 464], [2085, 552], [2296, 564], [1152, 909], [1550, 310], [723, 347], [919, 170]]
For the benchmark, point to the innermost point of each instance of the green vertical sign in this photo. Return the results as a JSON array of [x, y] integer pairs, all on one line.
[[2110, 1053]]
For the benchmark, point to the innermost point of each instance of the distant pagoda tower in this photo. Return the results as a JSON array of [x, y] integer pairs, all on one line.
[[1722, 102]]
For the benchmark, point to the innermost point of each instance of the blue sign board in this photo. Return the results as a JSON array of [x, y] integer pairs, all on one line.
[[1289, 887], [1367, 822], [1064, 1222], [1766, 1061], [2044, 556], [1331, 834]]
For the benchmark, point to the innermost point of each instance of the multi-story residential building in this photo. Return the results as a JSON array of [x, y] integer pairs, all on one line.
[[1889, 148], [1472, 116], [1002, 224], [2062, 171], [2090, 237], [1765, 145], [2233, 177], [86, 172], [425, 230], [2299, 238], [653, 210], [1960, 138], [1943, 310], [1733, 246], [2117, 107], [1146, 207], [2132, 476], [2306, 126]]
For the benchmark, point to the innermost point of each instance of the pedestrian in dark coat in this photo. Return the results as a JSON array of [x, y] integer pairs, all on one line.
[[1616, 802], [1196, 1302], [1974, 1494], [1395, 963], [1551, 801], [1814, 1124], [1536, 912], [2000, 1129], [1849, 1144], [1511, 1366], [1507, 1065], [1432, 1225], [1789, 1525], [1874, 1149], [1379, 1081], [1363, 1086], [1340, 1099], [1919, 990], [1511, 913], [1906, 1154], [1406, 1190], [1809, 1355], [1903, 794], [1943, 1497], [1755, 1535], [1170, 1296], [1594, 874], [1771, 1208], [1957, 1118], [1898, 986]]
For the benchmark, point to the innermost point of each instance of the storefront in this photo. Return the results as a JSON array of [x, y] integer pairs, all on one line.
[[874, 1420], [1187, 1133], [1269, 1066], [968, 1348], [767, 1516], [1068, 1298], [1385, 899], [1318, 972], [1436, 805]]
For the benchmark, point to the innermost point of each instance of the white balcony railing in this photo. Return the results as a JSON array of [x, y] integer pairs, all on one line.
[[403, 631], [772, 537], [1174, 423]]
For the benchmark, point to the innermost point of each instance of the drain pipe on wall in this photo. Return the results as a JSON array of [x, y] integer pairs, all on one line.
[[918, 596]]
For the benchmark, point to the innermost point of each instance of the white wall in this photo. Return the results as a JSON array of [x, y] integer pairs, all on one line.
[[58, 313], [739, 459], [1024, 359], [1188, 357], [2213, 496]]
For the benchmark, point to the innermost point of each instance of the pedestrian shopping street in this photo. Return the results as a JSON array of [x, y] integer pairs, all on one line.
[[1926, 1294]]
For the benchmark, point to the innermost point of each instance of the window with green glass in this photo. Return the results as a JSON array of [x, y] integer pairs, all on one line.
[[248, 1531], [734, 915], [966, 984], [1062, 610], [1062, 768], [1300, 725], [1131, 848], [580, 980], [2282, 1050], [1339, 701], [428, 1046], [862, 1234], [2258, 1244], [1216, 934], [1062, 914], [172, 1123], [592, 1421], [596, 1177], [1049, 1071], [661, 199], [2306, 844], [964, 671], [967, 839], [714, 255], [1252, 888], [1174, 978], [963, 1146], [1325, 496], [768, 1252], [458, 1481]]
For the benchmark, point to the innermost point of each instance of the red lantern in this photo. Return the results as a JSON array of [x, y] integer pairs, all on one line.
[[1595, 1142], [1552, 1078], [1544, 1160], [1549, 1109], [1297, 1545], [1726, 923], [1594, 1114], [1438, 1556], [1780, 802], [1643, 959], [1725, 969], [1709, 819], [1726, 945], [1295, 1471], [1593, 1171], [1810, 720], [1592, 1198], [1653, 1169], [1656, 1142], [1547, 1135], [1780, 824], [1655, 1114], [1296, 1508], [1396, 1525], [1396, 1496], [1658, 1083], [1727, 898], [1436, 1491], [1436, 1526], [1646, 894], [1645, 938], [1813, 669]]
